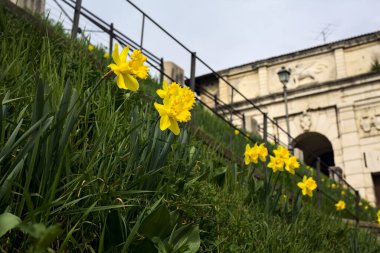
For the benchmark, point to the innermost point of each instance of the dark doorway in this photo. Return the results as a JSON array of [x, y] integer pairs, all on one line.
[[314, 145], [376, 183]]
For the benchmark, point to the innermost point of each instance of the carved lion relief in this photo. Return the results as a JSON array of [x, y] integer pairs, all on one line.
[[307, 71], [311, 71]]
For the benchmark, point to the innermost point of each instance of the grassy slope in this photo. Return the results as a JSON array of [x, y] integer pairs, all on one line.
[[116, 163]]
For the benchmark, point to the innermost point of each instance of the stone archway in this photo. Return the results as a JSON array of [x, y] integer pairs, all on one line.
[[313, 145]]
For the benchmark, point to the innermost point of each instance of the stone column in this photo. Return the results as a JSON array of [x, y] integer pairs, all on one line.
[[340, 63], [263, 81], [353, 166], [224, 91]]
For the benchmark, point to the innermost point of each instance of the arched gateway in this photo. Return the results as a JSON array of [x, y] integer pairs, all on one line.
[[314, 145]]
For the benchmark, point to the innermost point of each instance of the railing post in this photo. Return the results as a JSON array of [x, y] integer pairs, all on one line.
[[111, 39], [162, 70], [243, 119], [265, 137], [319, 182], [74, 31], [215, 102], [231, 104], [357, 213], [142, 32], [265, 168], [192, 70]]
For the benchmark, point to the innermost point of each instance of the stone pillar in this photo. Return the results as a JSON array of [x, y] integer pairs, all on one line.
[[263, 81], [353, 166], [224, 91], [340, 63]]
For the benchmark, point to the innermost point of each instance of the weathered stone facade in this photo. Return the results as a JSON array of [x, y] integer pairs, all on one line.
[[35, 6], [332, 93]]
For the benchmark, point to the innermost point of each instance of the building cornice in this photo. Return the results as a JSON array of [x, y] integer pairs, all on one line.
[[309, 90], [329, 47]]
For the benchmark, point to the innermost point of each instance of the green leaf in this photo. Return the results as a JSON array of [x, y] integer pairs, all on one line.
[[146, 245], [38, 106], [186, 239], [157, 223], [8, 221], [115, 229], [160, 245], [44, 236]]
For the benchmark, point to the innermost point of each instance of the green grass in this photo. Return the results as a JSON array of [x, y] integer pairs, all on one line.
[[85, 168]]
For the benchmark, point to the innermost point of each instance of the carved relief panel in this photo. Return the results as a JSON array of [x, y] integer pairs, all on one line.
[[305, 121], [313, 69], [368, 119]]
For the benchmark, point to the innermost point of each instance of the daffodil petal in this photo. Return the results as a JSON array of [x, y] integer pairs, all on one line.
[[120, 82], [246, 160], [124, 54], [113, 66], [115, 54], [160, 108], [164, 122], [131, 82], [161, 93], [174, 127]]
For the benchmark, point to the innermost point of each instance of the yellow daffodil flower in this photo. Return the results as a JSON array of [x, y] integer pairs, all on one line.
[[252, 155], [90, 47], [291, 164], [341, 205], [263, 152], [378, 216], [167, 90], [137, 64], [343, 193], [106, 55], [177, 103], [366, 207], [360, 203], [282, 152], [333, 186], [237, 132], [276, 163], [308, 185], [127, 70]]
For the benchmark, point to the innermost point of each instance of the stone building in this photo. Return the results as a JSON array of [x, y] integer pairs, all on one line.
[[333, 100], [35, 6]]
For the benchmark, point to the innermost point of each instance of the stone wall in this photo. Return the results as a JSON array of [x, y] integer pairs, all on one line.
[[35, 6]]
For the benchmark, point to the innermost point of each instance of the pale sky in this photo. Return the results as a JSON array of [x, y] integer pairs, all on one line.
[[226, 33]]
